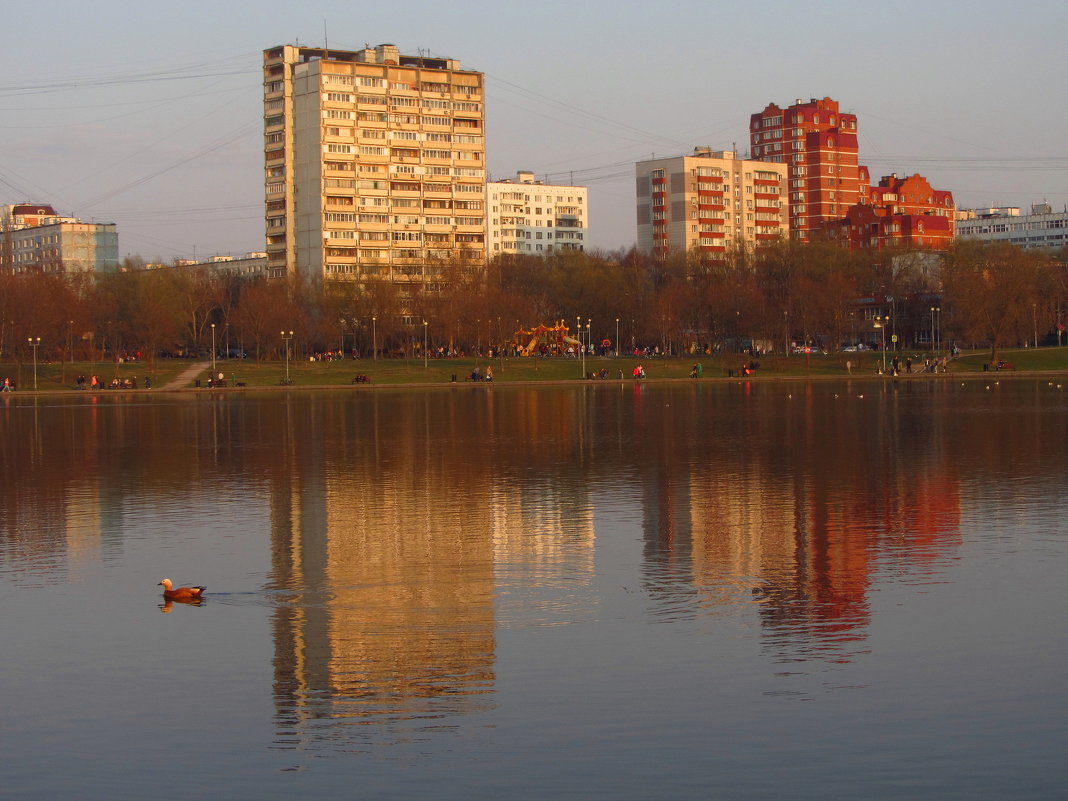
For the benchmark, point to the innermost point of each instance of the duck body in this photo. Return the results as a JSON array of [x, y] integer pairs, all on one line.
[[181, 594]]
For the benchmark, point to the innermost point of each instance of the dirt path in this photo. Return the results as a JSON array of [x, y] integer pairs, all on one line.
[[187, 375]]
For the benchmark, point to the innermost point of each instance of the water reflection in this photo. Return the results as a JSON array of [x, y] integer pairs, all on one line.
[[406, 530], [389, 596]]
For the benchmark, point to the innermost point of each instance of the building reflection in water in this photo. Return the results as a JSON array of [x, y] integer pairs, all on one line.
[[395, 524], [406, 529], [762, 506]]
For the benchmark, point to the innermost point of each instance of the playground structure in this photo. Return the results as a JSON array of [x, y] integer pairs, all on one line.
[[543, 340]]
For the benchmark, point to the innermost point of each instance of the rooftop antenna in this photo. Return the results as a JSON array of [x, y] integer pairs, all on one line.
[[326, 40]]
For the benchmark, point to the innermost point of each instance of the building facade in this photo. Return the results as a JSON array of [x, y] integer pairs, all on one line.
[[528, 217], [374, 164], [906, 213], [708, 202], [1043, 228], [33, 238], [818, 145]]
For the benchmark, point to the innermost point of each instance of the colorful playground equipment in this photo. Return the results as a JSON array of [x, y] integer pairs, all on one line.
[[545, 340]]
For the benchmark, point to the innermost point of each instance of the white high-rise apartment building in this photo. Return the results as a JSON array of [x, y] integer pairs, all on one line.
[[374, 164], [531, 217]]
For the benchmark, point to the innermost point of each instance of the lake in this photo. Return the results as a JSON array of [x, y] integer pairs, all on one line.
[[827, 590]]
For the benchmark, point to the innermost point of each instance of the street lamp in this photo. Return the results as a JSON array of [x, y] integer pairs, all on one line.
[[1034, 321], [70, 346], [934, 338], [287, 337], [582, 347], [879, 323], [424, 345], [617, 337], [35, 343], [213, 348], [588, 343], [374, 339]]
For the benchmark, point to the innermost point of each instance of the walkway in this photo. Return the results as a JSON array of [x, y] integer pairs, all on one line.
[[187, 375]]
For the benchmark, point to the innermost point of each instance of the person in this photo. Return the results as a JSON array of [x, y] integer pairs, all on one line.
[[148, 382], [476, 374], [489, 372], [7, 384], [849, 367]]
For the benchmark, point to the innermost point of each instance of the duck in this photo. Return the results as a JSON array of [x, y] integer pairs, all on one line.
[[182, 594]]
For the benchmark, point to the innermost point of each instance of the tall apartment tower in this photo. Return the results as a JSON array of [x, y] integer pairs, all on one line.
[[374, 164], [818, 144], [530, 217], [708, 202]]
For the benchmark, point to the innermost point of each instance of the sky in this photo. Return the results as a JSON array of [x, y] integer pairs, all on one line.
[[151, 117]]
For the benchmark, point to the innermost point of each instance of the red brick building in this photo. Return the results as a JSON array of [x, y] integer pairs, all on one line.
[[818, 143], [898, 212]]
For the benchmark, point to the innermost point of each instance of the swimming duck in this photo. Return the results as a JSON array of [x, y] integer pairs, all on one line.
[[181, 593]]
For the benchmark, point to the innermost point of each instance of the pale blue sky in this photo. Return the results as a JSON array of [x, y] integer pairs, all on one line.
[[150, 117]]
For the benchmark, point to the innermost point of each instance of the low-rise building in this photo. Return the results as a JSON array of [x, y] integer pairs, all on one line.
[[1043, 228], [251, 265], [897, 212], [33, 238], [530, 217]]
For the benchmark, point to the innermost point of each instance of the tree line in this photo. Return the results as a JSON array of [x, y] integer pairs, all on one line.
[[994, 295]]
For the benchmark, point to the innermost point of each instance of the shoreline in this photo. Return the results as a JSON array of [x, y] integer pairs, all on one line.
[[510, 384]]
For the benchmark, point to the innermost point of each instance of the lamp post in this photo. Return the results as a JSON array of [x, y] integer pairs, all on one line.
[[70, 346], [35, 343], [213, 348], [617, 337], [879, 323], [287, 337], [374, 338], [424, 345], [1034, 321], [583, 347]]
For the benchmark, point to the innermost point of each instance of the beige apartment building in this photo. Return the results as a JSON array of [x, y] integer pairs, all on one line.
[[708, 202], [528, 217], [374, 164]]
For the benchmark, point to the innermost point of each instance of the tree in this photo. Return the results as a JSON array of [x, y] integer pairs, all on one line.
[[992, 291]]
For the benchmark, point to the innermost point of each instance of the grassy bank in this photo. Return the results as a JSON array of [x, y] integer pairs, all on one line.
[[53, 377]]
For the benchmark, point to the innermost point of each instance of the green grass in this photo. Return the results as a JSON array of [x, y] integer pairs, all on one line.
[[508, 370]]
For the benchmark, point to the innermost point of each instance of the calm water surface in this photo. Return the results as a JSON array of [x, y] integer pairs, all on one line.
[[620, 592]]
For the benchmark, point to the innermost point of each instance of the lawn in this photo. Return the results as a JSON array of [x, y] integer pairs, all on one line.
[[250, 373]]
